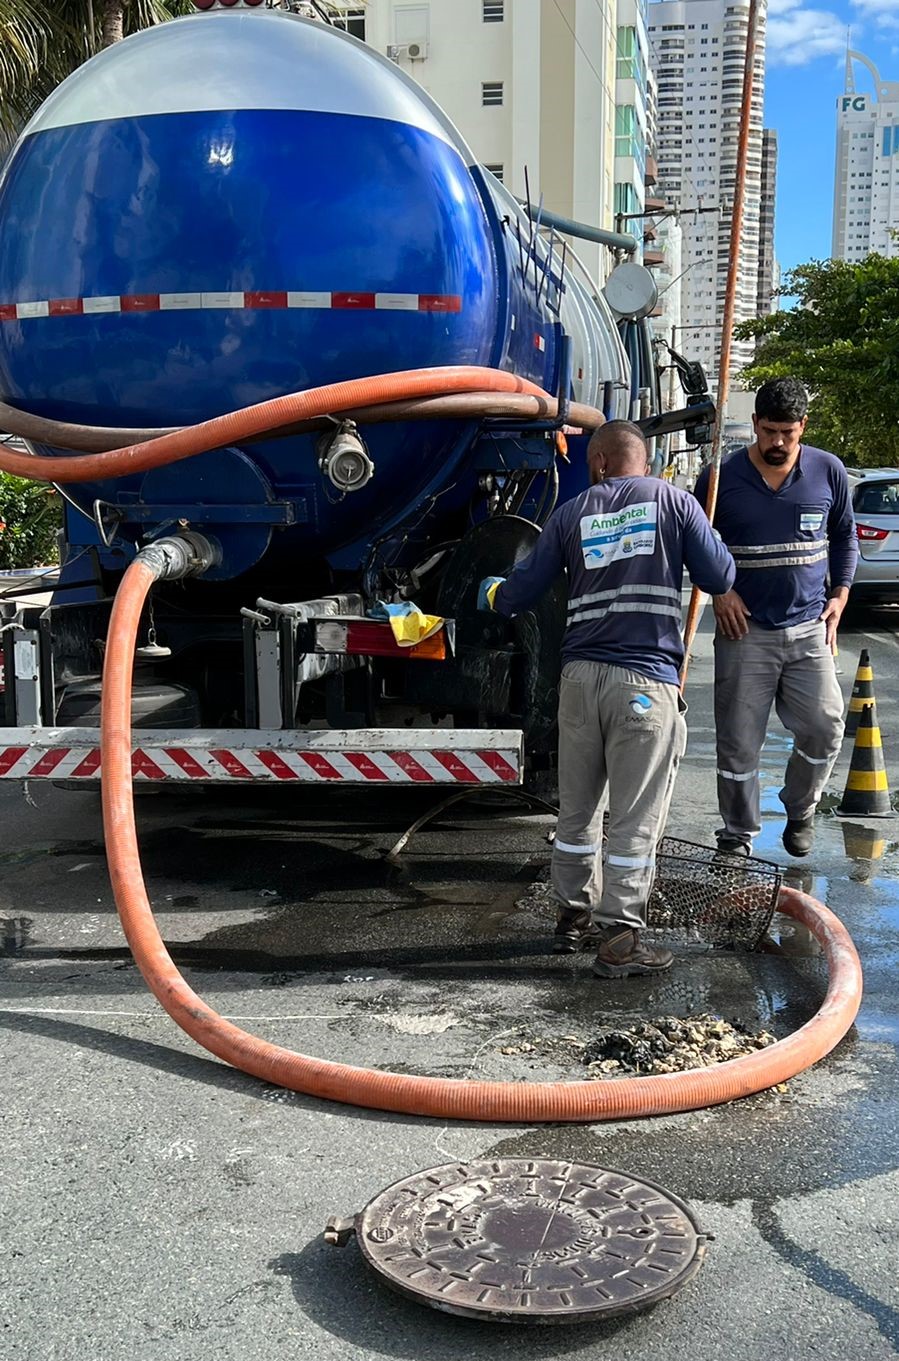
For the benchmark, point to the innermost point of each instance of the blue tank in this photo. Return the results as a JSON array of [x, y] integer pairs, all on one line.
[[245, 203]]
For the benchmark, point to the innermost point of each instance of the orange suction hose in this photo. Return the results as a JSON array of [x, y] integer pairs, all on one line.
[[240, 426], [523, 1103]]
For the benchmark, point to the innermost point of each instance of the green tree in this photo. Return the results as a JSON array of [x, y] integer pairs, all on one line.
[[842, 341], [43, 41], [30, 516]]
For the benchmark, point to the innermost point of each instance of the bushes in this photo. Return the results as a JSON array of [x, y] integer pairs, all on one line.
[[30, 516]]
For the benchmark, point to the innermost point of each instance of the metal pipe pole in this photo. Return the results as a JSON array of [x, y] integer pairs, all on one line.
[[730, 302], [622, 241]]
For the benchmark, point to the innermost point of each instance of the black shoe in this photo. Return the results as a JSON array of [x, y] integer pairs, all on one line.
[[799, 835], [622, 954], [730, 845], [574, 931]]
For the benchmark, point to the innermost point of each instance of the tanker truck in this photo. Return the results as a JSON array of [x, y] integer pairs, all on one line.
[[303, 373]]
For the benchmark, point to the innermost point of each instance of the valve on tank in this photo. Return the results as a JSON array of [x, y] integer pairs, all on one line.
[[344, 459]]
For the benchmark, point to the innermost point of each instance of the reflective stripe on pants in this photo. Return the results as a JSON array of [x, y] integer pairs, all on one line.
[[623, 735]]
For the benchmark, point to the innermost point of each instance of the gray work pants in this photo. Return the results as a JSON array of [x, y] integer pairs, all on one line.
[[793, 669], [622, 733]]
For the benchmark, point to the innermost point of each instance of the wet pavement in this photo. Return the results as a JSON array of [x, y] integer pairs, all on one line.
[[155, 1203]]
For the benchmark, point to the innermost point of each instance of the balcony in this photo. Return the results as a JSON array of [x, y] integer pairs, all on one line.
[[653, 258], [655, 205]]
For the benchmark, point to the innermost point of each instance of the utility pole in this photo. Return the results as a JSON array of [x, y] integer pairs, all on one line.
[[730, 300]]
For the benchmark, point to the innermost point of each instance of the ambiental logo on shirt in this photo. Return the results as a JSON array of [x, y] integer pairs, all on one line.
[[623, 533]]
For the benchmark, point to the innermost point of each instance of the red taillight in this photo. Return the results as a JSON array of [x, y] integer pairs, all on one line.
[[371, 638], [870, 534]]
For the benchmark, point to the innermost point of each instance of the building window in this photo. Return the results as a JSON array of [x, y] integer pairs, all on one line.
[[630, 139], [492, 13], [627, 199], [351, 21], [496, 170], [491, 92]]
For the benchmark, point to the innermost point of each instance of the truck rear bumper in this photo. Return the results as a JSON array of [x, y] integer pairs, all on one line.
[[362, 756]]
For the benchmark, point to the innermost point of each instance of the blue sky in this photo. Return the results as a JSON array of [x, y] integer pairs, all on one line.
[[805, 74]]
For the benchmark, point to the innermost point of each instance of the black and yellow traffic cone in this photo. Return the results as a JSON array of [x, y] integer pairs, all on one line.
[[862, 693], [867, 793]]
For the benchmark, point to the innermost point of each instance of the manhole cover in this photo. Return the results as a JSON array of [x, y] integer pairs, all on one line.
[[531, 1241]]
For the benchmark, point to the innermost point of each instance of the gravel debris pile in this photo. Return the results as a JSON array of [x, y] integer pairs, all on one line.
[[669, 1044]]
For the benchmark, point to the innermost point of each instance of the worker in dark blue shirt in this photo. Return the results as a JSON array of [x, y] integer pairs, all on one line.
[[624, 544], [785, 514]]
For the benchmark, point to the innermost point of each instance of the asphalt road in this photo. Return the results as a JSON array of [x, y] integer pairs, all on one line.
[[155, 1204]]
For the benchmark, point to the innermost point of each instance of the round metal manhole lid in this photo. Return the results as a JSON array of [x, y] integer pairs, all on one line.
[[541, 1241]]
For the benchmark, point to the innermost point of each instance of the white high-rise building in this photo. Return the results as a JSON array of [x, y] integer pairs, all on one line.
[[866, 184], [698, 54], [530, 85]]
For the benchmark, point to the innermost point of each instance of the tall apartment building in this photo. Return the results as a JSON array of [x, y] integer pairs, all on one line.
[[866, 184], [698, 52], [530, 85], [562, 88], [769, 276]]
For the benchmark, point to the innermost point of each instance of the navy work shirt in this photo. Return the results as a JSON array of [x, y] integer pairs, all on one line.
[[624, 544], [786, 543]]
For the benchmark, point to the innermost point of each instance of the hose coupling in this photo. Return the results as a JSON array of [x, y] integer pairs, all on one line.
[[344, 459], [184, 555]]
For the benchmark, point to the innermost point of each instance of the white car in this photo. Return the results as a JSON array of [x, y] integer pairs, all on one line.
[[875, 502]]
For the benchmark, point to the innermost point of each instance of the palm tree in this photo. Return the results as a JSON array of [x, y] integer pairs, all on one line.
[[43, 41]]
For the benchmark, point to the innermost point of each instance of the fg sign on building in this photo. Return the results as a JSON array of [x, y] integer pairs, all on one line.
[[857, 103]]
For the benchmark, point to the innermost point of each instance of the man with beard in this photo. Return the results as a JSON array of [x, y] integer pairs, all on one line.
[[785, 514]]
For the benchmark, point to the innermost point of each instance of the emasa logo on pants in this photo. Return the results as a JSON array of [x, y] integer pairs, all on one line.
[[640, 705]]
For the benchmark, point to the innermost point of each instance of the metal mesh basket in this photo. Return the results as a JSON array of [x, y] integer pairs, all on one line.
[[712, 897]]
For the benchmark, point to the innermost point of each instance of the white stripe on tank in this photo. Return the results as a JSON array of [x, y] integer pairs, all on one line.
[[232, 60]]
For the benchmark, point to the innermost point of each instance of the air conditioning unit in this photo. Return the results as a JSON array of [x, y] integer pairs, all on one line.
[[408, 51]]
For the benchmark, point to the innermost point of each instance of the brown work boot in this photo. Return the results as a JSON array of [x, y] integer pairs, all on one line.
[[574, 931], [621, 954]]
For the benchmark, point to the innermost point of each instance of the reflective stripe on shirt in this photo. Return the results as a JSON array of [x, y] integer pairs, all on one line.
[[595, 597], [794, 560], [796, 547], [624, 607]]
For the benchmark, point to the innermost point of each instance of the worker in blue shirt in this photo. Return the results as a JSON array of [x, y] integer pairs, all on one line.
[[784, 512], [624, 544]]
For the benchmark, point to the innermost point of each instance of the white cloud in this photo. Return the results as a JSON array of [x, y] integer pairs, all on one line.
[[885, 13], [797, 36]]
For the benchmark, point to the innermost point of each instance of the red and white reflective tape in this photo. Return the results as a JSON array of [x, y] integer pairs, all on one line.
[[270, 765], [276, 300]]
